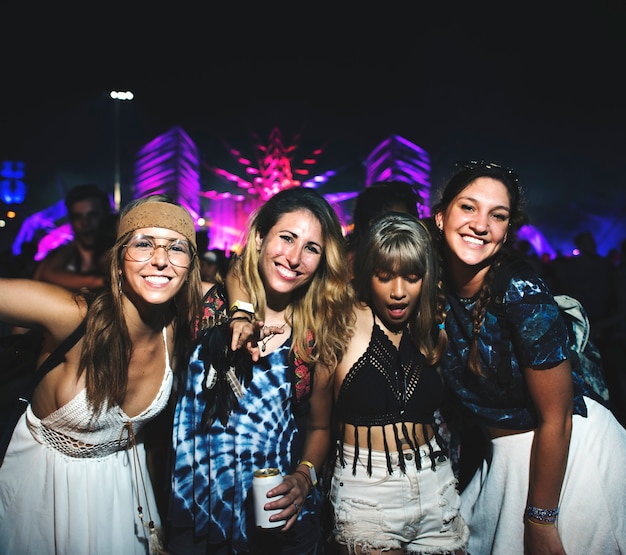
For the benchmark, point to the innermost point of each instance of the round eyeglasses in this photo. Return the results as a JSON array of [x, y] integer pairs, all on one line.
[[141, 248]]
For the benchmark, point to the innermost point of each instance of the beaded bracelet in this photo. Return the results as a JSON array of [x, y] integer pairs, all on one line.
[[546, 516]]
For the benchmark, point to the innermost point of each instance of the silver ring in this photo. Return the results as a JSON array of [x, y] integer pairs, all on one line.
[[296, 506]]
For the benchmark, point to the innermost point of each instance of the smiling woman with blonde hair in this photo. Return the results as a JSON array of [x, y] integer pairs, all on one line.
[[236, 415]]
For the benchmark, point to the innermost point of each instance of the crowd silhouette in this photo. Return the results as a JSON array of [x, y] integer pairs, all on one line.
[[599, 283]]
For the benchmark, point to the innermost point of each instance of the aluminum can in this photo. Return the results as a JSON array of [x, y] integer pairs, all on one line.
[[264, 480]]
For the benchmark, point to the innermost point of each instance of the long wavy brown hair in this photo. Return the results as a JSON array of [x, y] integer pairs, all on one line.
[[107, 346], [323, 305]]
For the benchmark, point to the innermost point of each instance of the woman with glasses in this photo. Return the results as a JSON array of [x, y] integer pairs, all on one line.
[[74, 478], [553, 478]]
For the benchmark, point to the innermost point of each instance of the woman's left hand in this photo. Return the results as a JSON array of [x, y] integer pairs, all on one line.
[[294, 490]]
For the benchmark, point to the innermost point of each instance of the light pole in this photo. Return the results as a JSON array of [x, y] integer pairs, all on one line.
[[118, 96]]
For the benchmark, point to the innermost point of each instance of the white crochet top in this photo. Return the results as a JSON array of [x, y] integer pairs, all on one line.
[[76, 432]]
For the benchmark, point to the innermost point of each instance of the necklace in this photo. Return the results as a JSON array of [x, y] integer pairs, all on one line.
[[466, 300], [266, 339]]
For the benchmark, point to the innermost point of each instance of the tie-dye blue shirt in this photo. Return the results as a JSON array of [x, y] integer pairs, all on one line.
[[214, 466]]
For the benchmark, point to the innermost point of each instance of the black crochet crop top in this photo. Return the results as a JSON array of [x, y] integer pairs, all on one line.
[[389, 386]]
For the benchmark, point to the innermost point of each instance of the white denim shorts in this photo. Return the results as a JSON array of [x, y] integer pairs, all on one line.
[[417, 511]]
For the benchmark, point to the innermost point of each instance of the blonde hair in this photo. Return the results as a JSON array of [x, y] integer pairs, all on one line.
[[399, 244], [321, 307]]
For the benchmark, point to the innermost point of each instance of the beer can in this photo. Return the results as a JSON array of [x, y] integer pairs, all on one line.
[[264, 480]]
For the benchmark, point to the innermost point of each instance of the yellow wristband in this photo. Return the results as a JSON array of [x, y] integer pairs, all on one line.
[[241, 306], [312, 472]]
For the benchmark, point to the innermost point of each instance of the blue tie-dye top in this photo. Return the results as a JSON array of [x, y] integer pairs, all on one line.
[[538, 336], [215, 464]]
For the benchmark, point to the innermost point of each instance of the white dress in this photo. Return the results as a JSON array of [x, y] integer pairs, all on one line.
[[71, 486]]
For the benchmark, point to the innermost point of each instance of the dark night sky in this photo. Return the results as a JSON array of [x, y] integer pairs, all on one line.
[[539, 90]]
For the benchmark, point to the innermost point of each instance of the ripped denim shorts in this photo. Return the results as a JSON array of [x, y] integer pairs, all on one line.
[[417, 511]]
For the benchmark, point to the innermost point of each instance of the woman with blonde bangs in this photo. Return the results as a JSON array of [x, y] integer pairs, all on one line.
[[393, 490]]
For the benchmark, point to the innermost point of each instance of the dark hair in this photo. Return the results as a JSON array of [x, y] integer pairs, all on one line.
[[379, 198], [87, 191], [466, 174]]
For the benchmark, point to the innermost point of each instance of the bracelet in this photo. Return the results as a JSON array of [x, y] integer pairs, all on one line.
[[534, 522], [246, 318], [306, 477], [544, 516]]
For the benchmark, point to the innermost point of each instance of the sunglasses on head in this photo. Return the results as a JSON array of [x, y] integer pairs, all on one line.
[[475, 164]]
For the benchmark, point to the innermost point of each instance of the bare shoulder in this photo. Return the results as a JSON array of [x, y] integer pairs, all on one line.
[[358, 342]]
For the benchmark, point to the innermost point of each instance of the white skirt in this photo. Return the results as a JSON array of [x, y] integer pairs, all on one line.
[[592, 517]]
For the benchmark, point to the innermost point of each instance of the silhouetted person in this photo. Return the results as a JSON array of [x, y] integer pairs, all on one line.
[[587, 277], [525, 249], [378, 199], [614, 344], [213, 266], [79, 263]]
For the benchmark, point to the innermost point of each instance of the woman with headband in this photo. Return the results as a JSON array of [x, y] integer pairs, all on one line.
[[74, 478]]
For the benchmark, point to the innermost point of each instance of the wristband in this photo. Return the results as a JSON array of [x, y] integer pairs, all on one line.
[[312, 473], [241, 306]]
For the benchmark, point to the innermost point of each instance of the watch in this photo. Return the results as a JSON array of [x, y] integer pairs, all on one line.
[[241, 306], [311, 471]]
